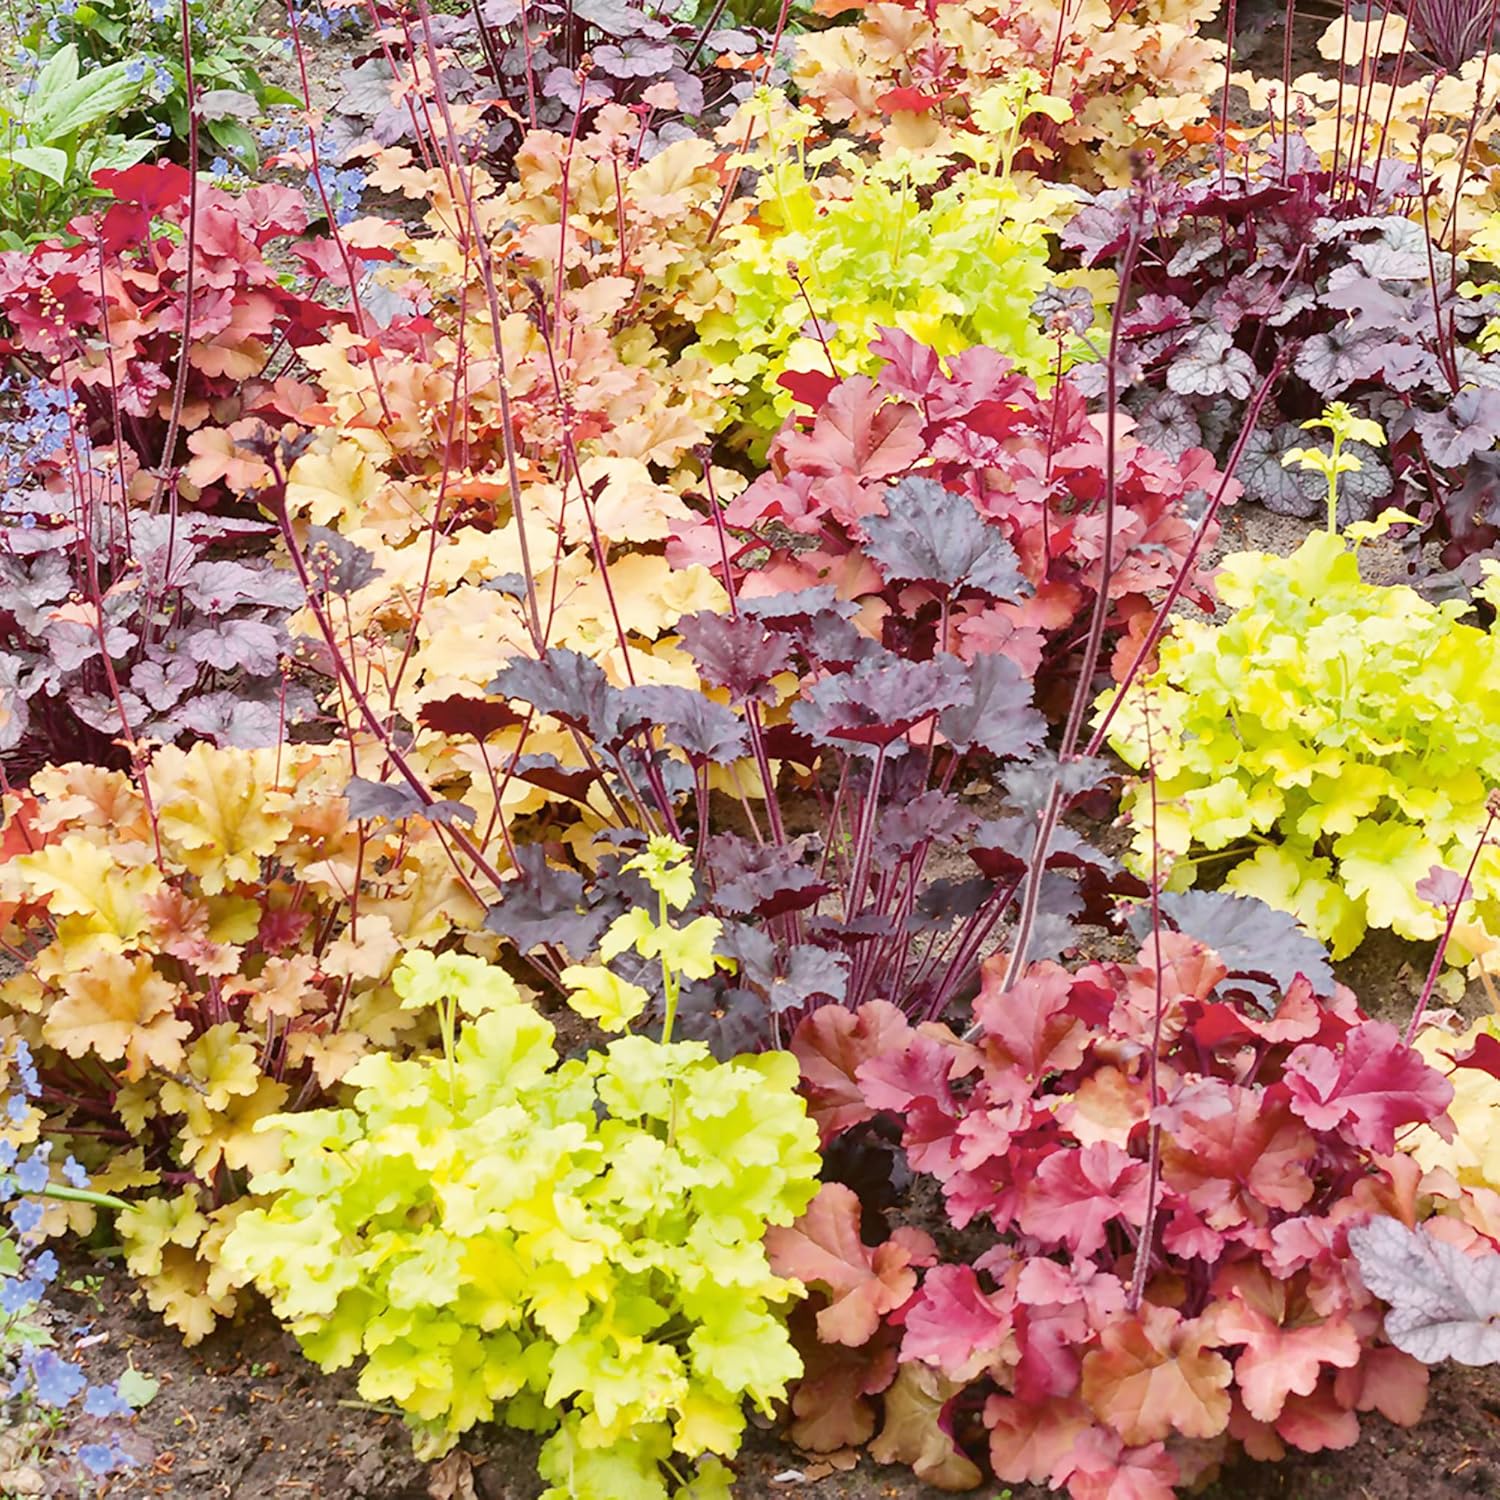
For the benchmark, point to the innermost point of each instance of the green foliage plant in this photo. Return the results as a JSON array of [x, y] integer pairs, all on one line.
[[940, 240], [229, 56], [572, 1247], [55, 133], [1331, 742]]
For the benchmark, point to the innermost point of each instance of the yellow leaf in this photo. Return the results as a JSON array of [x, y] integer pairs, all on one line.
[[118, 1008], [218, 811], [83, 879], [335, 486]]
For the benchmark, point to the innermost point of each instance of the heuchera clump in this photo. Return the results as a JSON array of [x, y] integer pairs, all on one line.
[[1148, 1177], [574, 1247]]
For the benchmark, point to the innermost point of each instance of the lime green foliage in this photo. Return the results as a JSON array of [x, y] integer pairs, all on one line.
[[844, 245], [1339, 734], [571, 1247]]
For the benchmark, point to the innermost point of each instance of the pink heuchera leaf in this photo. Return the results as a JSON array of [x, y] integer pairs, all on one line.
[[955, 1325], [1250, 1154], [1031, 1024], [1313, 1423], [1374, 1086], [823, 1249], [1101, 1467], [858, 431], [913, 1085], [830, 1045], [1076, 1194], [1388, 1381]]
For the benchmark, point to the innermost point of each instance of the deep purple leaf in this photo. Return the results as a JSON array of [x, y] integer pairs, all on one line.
[[930, 535]]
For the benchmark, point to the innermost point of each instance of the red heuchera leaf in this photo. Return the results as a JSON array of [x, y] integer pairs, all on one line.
[[823, 1250], [1313, 1423], [909, 101], [913, 1085], [830, 1045], [1484, 1055], [1372, 1087], [955, 1325]]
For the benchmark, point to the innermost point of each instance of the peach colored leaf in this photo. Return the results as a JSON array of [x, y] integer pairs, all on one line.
[[1151, 1375], [1027, 1442], [823, 1250]]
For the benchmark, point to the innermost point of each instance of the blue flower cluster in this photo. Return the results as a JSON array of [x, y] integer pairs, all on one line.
[[314, 16], [37, 427], [33, 1375], [344, 186]]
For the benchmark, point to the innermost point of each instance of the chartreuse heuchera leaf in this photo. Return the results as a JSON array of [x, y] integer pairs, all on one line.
[[1337, 735], [572, 1247]]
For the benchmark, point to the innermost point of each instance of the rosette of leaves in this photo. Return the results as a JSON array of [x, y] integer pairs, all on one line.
[[1125, 70], [550, 65], [930, 450], [570, 1247], [204, 950], [104, 319], [1326, 746], [135, 626], [1230, 273], [1153, 1178], [944, 243]]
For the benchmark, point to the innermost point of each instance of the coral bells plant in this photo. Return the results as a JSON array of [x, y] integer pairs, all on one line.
[[106, 317], [1149, 1178], [1327, 745], [572, 1247], [946, 243], [204, 948], [1126, 72], [971, 433]]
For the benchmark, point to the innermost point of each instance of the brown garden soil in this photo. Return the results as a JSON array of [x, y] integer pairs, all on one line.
[[244, 1417]]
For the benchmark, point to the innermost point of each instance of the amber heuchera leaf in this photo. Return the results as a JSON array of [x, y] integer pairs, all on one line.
[[218, 810], [1152, 1375], [118, 1008], [823, 1250]]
